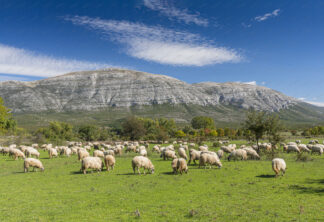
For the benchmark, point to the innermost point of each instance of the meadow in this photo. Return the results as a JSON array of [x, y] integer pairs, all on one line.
[[239, 191]]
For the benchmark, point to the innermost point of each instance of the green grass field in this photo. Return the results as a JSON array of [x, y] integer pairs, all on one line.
[[240, 191]]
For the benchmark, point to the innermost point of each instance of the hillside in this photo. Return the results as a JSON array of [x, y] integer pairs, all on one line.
[[106, 96]]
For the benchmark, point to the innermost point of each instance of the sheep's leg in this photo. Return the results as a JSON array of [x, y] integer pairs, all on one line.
[[138, 171]]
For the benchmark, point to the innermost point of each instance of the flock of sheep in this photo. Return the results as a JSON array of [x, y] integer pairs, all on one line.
[[104, 154]]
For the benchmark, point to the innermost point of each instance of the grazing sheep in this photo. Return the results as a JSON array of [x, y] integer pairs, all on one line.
[[169, 154], [32, 162], [118, 150], [90, 162], [98, 153], [142, 162], [52, 153], [209, 159], [5, 151], [293, 148], [194, 155], [203, 148], [303, 148], [298, 141], [174, 165], [278, 165], [156, 149], [182, 166], [32, 152], [131, 148], [109, 162], [292, 143], [35, 145], [317, 149], [82, 153], [182, 153], [109, 152], [237, 154], [143, 152], [16, 153], [227, 149], [192, 144], [251, 153], [220, 154]]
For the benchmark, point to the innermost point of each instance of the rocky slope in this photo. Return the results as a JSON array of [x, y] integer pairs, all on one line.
[[95, 90]]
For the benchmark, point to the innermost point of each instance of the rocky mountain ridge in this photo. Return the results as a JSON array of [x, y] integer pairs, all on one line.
[[95, 90]]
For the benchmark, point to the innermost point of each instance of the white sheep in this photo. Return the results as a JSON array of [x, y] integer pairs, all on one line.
[[169, 154], [109, 162], [251, 153], [156, 149], [194, 155], [317, 149], [238, 154], [52, 153], [203, 148], [109, 152], [293, 148], [182, 166], [90, 162], [32, 152], [209, 159], [82, 153], [98, 153], [303, 148], [32, 162], [16, 153], [174, 165], [278, 165], [220, 154], [182, 153], [142, 162]]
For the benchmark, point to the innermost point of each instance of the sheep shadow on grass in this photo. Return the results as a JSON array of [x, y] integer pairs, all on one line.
[[308, 190], [266, 176]]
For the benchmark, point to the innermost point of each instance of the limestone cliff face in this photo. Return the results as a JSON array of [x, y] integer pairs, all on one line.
[[93, 90]]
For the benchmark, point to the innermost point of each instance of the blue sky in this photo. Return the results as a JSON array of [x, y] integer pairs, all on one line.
[[278, 44]]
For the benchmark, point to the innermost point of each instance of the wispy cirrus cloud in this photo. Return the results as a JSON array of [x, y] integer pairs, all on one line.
[[24, 62], [157, 44], [175, 14], [266, 16]]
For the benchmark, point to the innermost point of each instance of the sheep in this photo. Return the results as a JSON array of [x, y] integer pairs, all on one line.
[[118, 150], [169, 154], [182, 153], [303, 148], [68, 152], [143, 152], [174, 165], [182, 166], [109, 162], [32, 162], [317, 149], [192, 144], [5, 151], [251, 153], [109, 152], [16, 153], [35, 145], [32, 152], [239, 153], [293, 148], [91, 163], [211, 159], [298, 141], [278, 165], [220, 154], [130, 148], [193, 156], [52, 153], [156, 149], [98, 153], [142, 162], [82, 153], [203, 148], [227, 149]]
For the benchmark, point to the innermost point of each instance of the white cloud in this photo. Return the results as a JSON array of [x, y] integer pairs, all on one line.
[[320, 104], [253, 83], [266, 16], [19, 61], [173, 13], [157, 44]]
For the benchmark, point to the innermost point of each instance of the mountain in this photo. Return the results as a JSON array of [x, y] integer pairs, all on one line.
[[133, 92]]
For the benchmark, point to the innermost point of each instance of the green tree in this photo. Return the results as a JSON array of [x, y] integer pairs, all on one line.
[[89, 132], [180, 134], [57, 131], [202, 122], [7, 123], [261, 124], [133, 128]]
